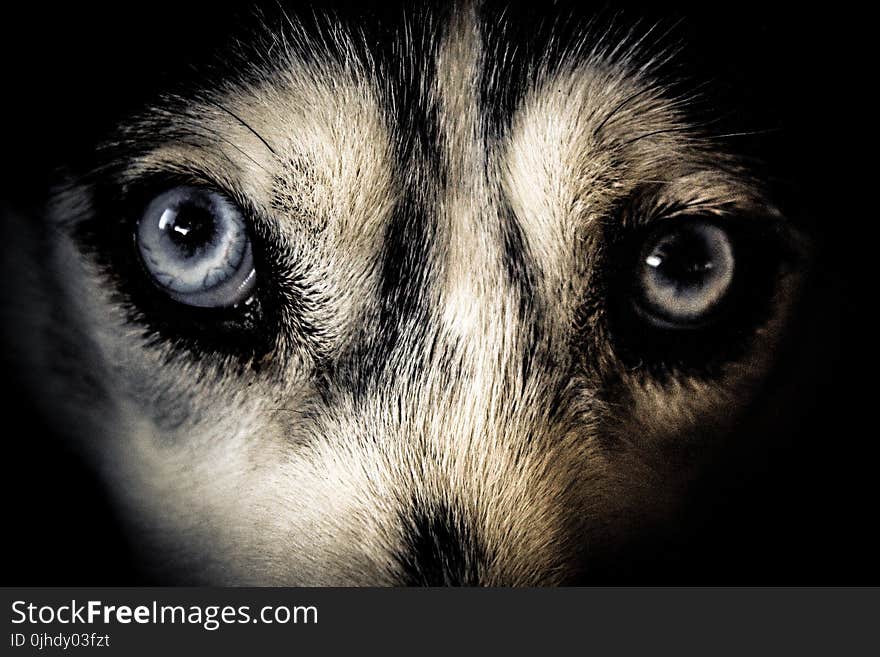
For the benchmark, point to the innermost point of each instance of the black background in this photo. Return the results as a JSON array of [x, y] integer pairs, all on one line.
[[793, 501]]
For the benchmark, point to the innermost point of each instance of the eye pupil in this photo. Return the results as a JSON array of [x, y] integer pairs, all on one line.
[[685, 258], [189, 227]]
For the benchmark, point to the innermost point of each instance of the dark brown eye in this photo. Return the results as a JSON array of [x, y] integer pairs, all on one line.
[[684, 273]]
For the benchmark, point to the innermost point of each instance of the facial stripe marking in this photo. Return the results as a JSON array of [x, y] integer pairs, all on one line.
[[440, 549]]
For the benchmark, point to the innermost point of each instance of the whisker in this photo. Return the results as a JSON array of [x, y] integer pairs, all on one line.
[[654, 133], [746, 133], [216, 135], [223, 108], [697, 137]]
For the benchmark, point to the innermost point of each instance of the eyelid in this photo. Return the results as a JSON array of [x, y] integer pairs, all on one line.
[[137, 190], [714, 192], [143, 188]]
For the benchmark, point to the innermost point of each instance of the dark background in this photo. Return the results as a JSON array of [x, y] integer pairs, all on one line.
[[792, 501]]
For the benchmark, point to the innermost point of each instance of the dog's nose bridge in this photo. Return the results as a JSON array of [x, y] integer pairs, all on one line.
[[485, 482]]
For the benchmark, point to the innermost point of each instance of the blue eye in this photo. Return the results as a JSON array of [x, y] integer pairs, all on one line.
[[195, 246], [685, 273]]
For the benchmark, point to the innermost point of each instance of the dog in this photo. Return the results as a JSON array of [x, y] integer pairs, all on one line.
[[455, 299]]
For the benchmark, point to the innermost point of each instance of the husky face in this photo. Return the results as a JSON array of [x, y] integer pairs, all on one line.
[[453, 313]]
